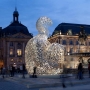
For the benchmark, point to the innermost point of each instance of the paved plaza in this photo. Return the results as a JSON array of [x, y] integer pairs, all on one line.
[[19, 83]]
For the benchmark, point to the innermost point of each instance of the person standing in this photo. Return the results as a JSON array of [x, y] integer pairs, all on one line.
[[13, 70], [23, 71], [3, 72], [80, 71], [89, 69], [1, 69], [34, 72]]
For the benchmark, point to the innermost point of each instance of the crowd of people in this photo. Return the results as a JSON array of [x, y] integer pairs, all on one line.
[[11, 71], [79, 74]]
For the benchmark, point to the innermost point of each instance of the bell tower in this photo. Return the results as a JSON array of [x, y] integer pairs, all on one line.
[[15, 15]]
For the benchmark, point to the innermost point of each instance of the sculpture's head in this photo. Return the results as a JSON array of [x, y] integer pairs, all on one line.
[[42, 25]]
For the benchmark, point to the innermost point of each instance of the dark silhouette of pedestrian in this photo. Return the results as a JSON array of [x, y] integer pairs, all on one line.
[[80, 71], [66, 76], [34, 72], [63, 76], [10, 69], [1, 69], [23, 71], [3, 72], [89, 69], [13, 70]]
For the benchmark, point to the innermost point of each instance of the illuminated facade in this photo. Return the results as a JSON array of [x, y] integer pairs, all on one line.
[[67, 34], [13, 40]]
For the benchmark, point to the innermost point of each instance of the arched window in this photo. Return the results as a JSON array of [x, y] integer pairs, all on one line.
[[77, 43], [19, 45], [64, 42], [89, 43], [71, 42], [11, 43], [19, 52], [11, 52]]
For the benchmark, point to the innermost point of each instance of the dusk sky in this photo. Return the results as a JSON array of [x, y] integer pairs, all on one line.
[[68, 11]]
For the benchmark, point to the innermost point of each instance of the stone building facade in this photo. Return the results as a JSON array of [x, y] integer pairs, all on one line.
[[67, 34], [13, 40]]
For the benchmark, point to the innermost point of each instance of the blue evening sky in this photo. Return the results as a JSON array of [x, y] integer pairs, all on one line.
[[68, 11]]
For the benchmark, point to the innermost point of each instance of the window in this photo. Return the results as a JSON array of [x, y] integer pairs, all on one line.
[[71, 42], [76, 42], [71, 50], [69, 32], [89, 43], [12, 60], [19, 60], [64, 42], [11, 43], [71, 59], [19, 45], [11, 51], [19, 52]]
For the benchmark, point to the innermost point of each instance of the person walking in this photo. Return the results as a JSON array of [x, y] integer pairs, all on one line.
[[13, 70], [89, 69], [80, 71], [23, 71], [34, 72], [63, 77], [3, 72], [1, 69]]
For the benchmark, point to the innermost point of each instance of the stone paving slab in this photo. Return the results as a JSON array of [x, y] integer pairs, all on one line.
[[47, 82]]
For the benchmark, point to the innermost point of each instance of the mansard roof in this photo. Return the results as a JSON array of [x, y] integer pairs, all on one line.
[[75, 28], [16, 27]]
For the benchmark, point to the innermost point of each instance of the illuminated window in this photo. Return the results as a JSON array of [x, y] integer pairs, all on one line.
[[19, 52], [12, 60], [19, 60], [69, 32], [11, 51]]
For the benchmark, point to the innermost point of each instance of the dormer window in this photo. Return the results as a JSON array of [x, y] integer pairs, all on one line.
[[69, 32]]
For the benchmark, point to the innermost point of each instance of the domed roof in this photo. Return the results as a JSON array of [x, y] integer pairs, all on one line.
[[74, 28], [15, 12], [16, 27]]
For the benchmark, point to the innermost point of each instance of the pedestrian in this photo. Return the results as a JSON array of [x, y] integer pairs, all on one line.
[[13, 70], [23, 71], [89, 69], [1, 69], [34, 72], [80, 71], [21, 68], [63, 77], [10, 69], [3, 72]]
